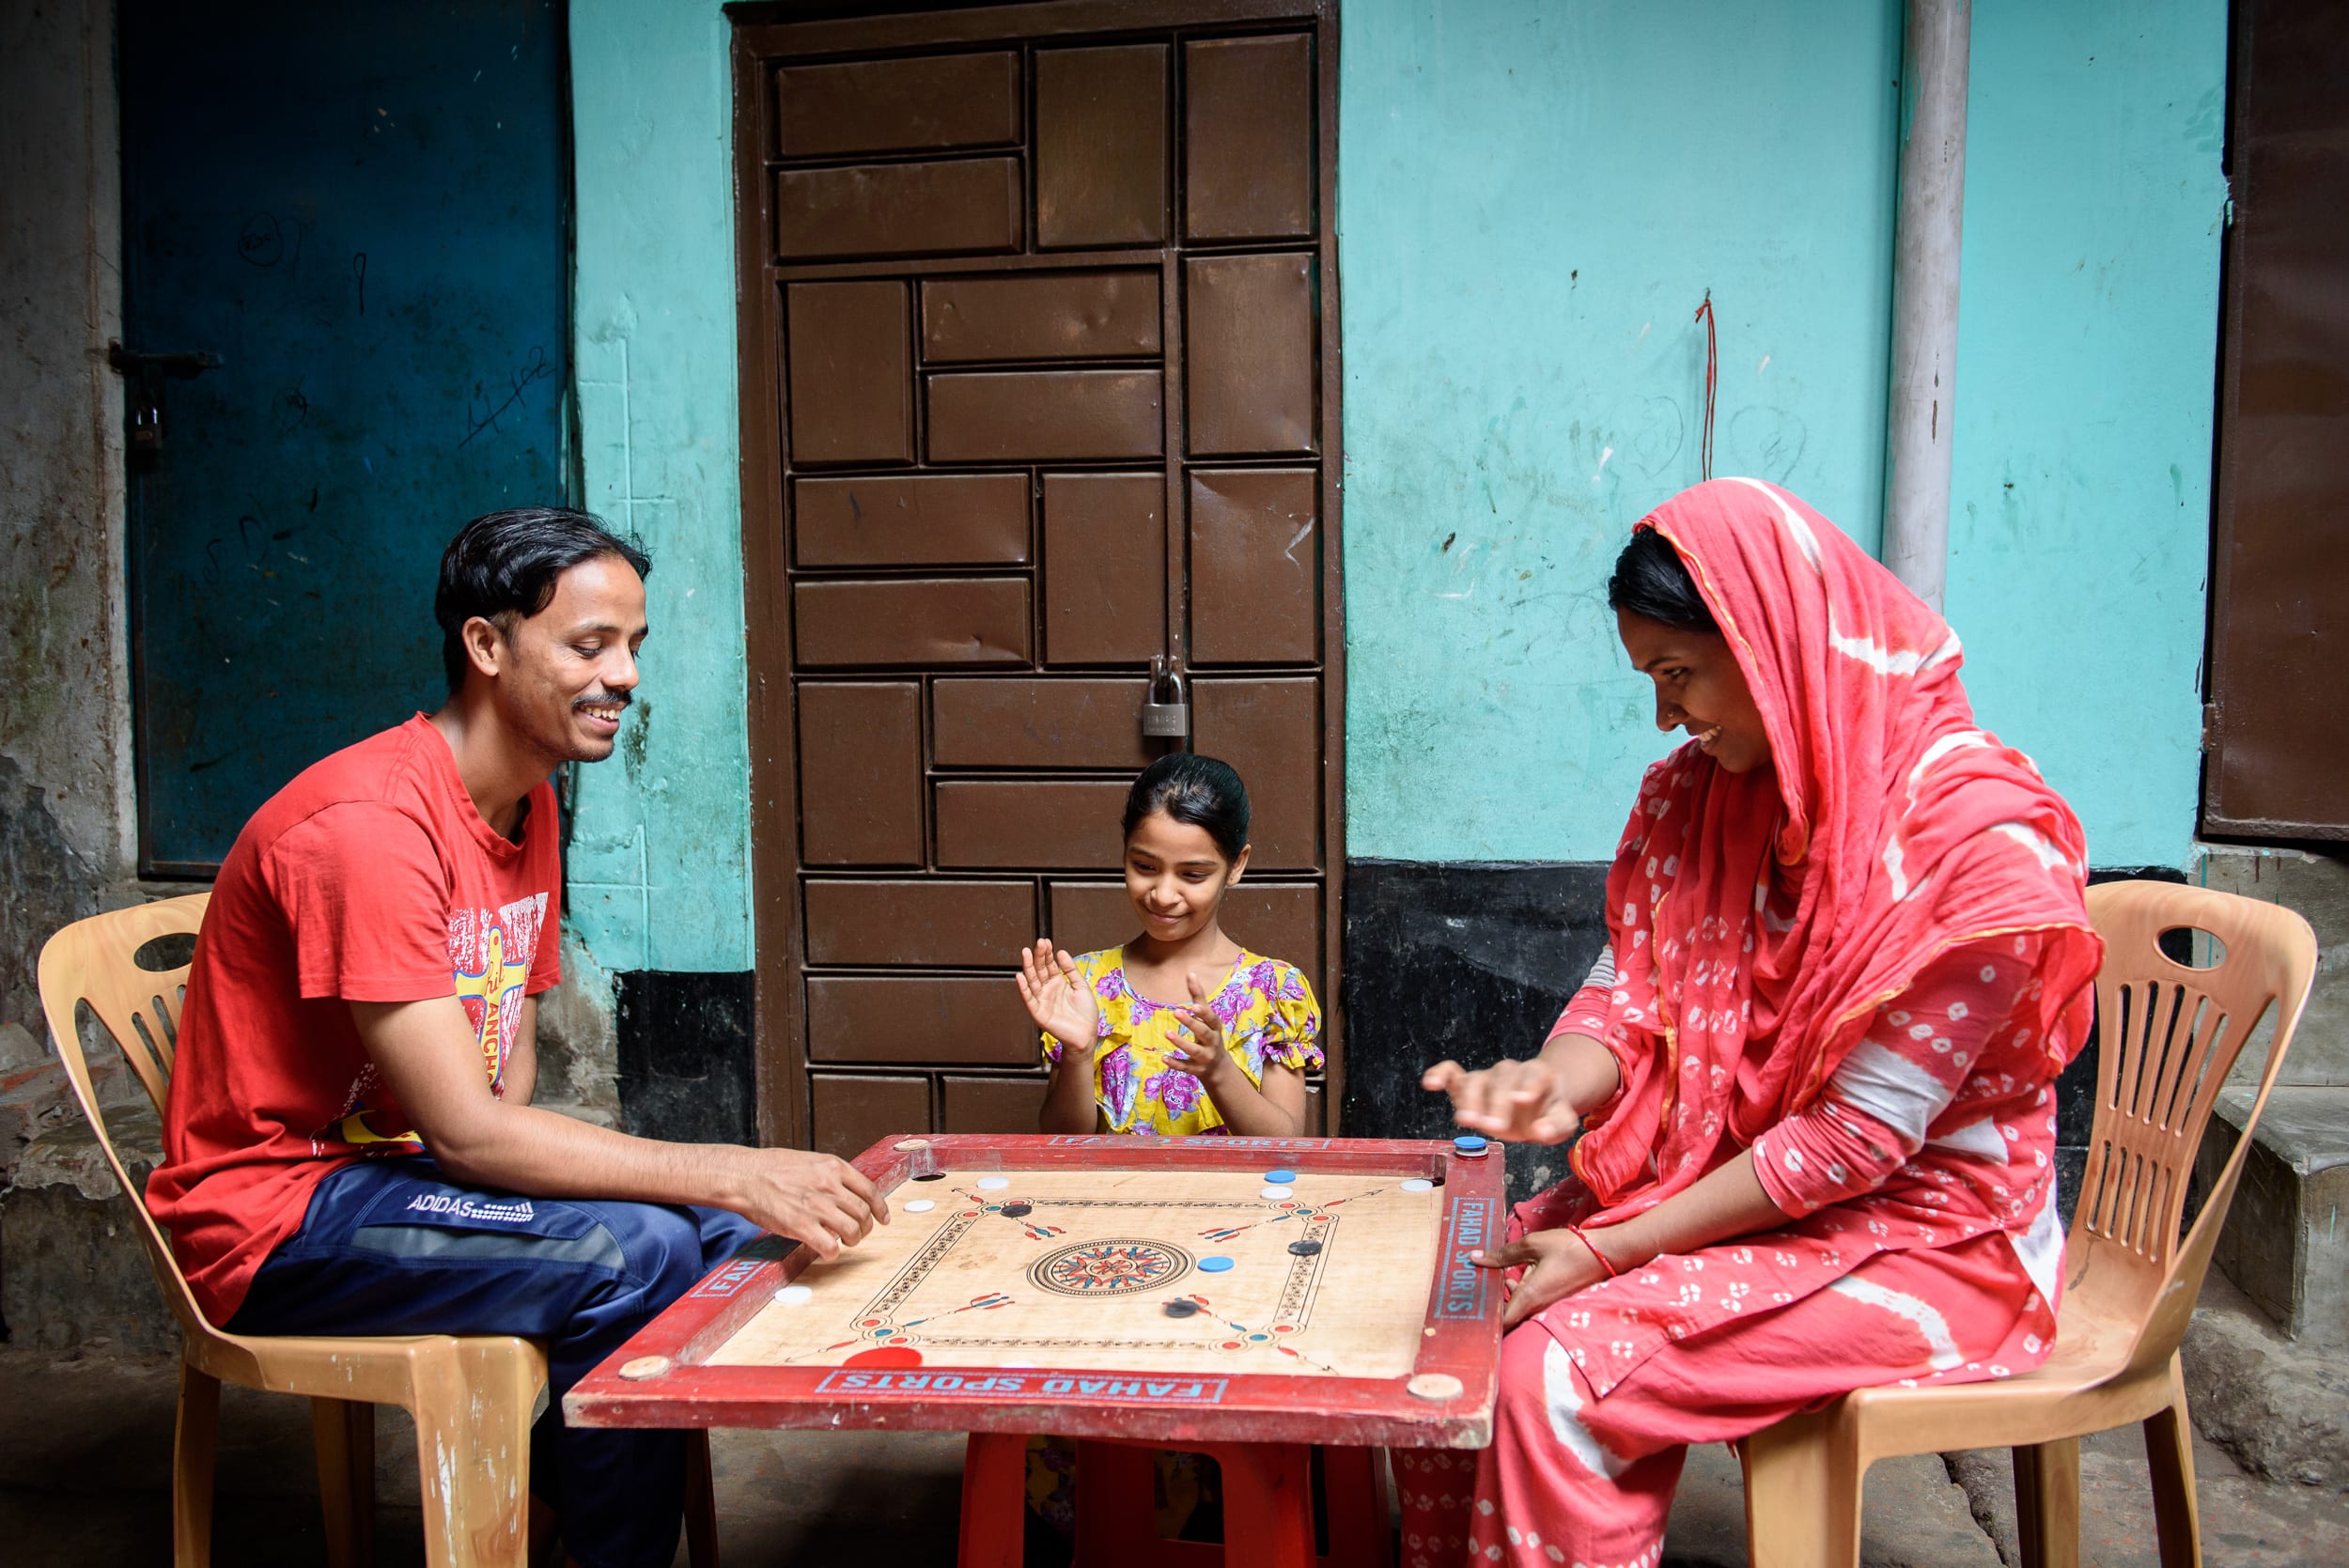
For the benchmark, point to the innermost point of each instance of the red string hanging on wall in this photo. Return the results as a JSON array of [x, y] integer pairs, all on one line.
[[1712, 381]]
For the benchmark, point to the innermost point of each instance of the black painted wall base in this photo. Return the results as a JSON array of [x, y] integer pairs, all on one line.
[[1470, 961], [687, 1069]]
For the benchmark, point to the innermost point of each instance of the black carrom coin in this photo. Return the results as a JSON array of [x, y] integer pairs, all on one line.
[[1182, 1309], [1304, 1248], [933, 1176], [1016, 1210]]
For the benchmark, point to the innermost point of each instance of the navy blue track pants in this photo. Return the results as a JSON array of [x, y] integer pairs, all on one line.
[[392, 1246]]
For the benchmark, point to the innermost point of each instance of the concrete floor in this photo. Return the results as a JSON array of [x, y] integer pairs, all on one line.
[[85, 1454]]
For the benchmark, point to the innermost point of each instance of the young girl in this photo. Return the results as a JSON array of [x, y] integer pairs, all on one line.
[[1180, 1031]]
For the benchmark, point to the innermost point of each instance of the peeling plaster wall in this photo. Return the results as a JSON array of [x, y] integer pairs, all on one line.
[[65, 787]]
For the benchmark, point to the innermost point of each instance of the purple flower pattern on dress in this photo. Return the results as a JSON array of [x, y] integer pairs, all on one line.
[[1173, 1089], [1117, 1085]]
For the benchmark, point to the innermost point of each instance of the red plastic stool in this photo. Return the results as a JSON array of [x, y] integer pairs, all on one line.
[[1267, 1505]]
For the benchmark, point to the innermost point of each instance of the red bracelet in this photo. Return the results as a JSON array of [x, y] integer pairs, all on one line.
[[1576, 1231]]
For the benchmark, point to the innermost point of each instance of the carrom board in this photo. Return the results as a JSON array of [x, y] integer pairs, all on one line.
[[1232, 1289]]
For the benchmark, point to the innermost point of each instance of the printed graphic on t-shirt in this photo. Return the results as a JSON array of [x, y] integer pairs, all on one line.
[[489, 955]]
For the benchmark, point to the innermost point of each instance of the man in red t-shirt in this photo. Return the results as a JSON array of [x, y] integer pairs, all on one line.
[[350, 1146]]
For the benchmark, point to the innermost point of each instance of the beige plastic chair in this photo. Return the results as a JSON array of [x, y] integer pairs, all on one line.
[[2169, 1037], [472, 1397]]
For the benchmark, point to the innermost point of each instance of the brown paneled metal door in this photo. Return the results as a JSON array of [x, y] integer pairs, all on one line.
[[1039, 383], [2277, 766]]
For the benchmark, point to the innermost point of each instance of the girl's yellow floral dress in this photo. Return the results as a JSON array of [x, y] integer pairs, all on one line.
[[1269, 1016]]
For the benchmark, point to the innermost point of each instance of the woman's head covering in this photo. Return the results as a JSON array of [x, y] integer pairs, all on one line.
[[1759, 919]]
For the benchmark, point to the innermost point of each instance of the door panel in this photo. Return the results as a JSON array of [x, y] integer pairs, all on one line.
[[1100, 145], [1106, 602], [969, 621], [918, 1018], [1251, 344], [968, 205], [1245, 722], [1046, 416], [861, 796], [989, 1104], [364, 213], [1050, 823], [931, 923], [912, 519], [851, 351], [1041, 315], [1021, 723], [855, 1110], [917, 105], [2279, 555], [1248, 138], [1255, 566], [1038, 381]]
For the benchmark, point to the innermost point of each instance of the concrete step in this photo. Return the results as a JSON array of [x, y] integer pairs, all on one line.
[[2279, 1409], [2284, 1243]]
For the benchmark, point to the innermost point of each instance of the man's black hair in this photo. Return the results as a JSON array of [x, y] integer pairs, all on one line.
[[1651, 580], [502, 568], [1194, 789]]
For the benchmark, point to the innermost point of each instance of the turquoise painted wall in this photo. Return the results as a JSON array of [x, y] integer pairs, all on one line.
[[2079, 529], [659, 864], [1534, 198]]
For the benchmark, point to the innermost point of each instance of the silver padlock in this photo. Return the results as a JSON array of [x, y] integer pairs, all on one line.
[[1166, 709]]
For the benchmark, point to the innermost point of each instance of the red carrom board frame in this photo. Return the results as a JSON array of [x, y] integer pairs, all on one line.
[[669, 1382]]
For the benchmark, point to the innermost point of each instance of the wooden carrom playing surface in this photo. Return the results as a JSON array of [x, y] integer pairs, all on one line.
[[1254, 1290]]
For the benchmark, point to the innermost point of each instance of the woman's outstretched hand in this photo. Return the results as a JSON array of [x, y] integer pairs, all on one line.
[[1522, 1102], [1058, 999], [1557, 1264]]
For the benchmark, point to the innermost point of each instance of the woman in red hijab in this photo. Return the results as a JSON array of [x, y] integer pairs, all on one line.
[[1814, 1068]]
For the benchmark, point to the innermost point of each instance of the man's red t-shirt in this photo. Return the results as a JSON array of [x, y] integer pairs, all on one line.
[[370, 877]]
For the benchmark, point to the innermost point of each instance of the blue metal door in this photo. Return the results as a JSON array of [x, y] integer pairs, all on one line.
[[362, 212]]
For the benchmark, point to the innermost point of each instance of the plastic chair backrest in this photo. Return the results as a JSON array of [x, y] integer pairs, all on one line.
[[95, 961], [2168, 1037]]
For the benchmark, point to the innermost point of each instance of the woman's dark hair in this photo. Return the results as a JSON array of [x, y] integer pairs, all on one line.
[[1194, 789], [1651, 580], [502, 568]]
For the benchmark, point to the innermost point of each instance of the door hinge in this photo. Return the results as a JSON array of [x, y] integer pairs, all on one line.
[[2210, 727]]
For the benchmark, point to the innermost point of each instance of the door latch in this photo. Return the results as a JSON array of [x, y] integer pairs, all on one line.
[[1166, 710], [145, 373]]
